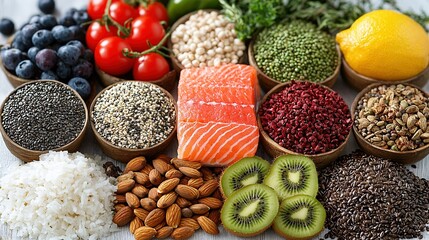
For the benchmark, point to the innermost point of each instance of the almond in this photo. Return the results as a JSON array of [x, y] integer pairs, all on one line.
[[168, 185], [147, 169], [208, 225], [187, 213], [135, 164], [154, 194], [166, 200], [164, 232], [140, 191], [123, 177], [173, 173], [120, 199], [155, 177], [187, 192], [182, 233], [214, 215], [119, 206], [123, 216], [164, 158], [125, 186], [211, 202], [161, 225], [207, 174], [189, 222], [195, 182], [148, 204], [161, 166], [178, 163], [190, 172], [132, 200], [199, 208], [144, 233], [208, 188], [136, 223], [173, 216], [141, 178], [155, 217], [183, 202], [141, 213]]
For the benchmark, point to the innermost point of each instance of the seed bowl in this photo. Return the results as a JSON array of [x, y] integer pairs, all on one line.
[[359, 81], [125, 154], [274, 149], [404, 157], [267, 83], [28, 155]]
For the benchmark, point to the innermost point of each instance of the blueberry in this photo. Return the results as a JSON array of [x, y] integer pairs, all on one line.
[[7, 27], [49, 75], [34, 19], [18, 42], [46, 59], [62, 34], [46, 6], [43, 38], [77, 44], [70, 12], [48, 21], [3, 50], [88, 55], [32, 52], [27, 33], [78, 33], [83, 69], [63, 71], [56, 46], [69, 54], [81, 86], [67, 21], [81, 17], [11, 58], [25, 69]]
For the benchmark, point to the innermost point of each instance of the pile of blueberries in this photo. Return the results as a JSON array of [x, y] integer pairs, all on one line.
[[45, 48]]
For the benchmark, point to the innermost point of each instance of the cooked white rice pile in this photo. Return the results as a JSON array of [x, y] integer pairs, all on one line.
[[62, 196]]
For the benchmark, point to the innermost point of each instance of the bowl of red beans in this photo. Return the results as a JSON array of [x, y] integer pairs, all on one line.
[[304, 118]]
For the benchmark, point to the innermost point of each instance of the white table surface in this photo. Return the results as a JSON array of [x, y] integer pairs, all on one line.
[[20, 10]]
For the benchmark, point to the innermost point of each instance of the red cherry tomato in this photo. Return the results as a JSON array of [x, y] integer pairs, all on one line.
[[96, 8], [109, 57], [96, 32], [156, 10], [145, 29], [150, 67], [121, 12]]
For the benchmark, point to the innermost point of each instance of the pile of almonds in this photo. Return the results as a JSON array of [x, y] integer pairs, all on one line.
[[170, 198]]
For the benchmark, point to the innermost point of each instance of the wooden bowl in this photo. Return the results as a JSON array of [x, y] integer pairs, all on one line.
[[126, 154], [176, 63], [359, 81], [168, 81], [267, 83], [28, 155], [13, 79], [274, 149], [404, 157]]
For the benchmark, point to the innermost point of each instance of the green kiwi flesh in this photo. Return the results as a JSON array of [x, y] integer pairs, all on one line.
[[291, 175], [250, 210], [300, 217], [249, 170]]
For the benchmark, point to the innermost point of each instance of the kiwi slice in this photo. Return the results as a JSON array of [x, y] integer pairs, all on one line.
[[249, 170], [300, 217], [291, 175], [250, 210]]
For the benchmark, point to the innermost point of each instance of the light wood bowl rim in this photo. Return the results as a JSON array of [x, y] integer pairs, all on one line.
[[131, 150], [368, 145], [38, 152], [275, 145]]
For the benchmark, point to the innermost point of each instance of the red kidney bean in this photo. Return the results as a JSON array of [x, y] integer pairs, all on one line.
[[306, 118]]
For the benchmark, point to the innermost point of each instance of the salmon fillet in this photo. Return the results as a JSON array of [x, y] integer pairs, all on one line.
[[216, 114]]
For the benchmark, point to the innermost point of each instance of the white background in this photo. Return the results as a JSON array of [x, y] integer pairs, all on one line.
[[20, 10]]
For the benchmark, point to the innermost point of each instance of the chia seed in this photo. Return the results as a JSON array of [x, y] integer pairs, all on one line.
[[134, 115], [43, 116]]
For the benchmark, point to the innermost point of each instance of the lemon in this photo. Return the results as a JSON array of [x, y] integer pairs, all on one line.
[[385, 45]]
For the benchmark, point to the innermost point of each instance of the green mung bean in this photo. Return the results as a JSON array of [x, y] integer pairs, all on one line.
[[296, 50]]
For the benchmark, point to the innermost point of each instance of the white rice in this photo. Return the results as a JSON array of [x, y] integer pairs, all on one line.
[[62, 196]]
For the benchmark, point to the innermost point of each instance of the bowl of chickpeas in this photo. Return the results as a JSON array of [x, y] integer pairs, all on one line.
[[204, 38]]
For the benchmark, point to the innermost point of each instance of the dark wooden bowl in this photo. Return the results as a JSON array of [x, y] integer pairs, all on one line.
[[274, 149], [168, 81], [126, 154], [267, 83], [359, 81], [404, 157], [28, 155]]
